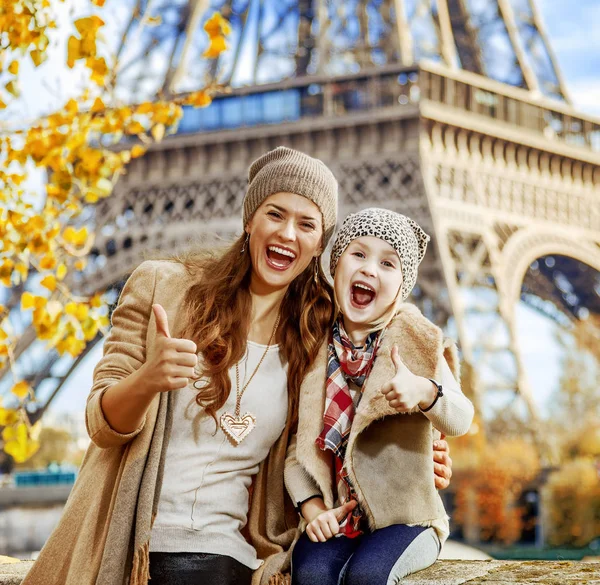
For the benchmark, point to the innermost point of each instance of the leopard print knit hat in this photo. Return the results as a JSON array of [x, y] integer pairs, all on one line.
[[402, 233]]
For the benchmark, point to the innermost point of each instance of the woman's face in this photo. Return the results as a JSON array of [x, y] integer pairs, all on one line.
[[367, 279], [286, 233]]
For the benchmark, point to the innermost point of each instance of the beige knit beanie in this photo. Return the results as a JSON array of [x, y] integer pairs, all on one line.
[[288, 170]]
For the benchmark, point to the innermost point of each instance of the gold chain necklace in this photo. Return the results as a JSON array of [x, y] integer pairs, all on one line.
[[235, 426]]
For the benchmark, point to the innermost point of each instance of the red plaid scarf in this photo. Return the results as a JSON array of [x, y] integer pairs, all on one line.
[[344, 362]]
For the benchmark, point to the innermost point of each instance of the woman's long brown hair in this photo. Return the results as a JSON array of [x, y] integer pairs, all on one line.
[[217, 316]]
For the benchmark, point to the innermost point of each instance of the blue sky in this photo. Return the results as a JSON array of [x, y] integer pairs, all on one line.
[[577, 48]]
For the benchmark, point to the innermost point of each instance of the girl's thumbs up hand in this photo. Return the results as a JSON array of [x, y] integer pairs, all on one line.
[[172, 362], [405, 391]]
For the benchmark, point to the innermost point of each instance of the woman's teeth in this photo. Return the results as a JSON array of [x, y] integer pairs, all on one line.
[[282, 252], [280, 257]]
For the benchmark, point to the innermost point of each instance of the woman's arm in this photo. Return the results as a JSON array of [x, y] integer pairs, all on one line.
[[128, 377], [119, 369]]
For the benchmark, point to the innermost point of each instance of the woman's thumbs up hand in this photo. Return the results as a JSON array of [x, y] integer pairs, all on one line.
[[172, 362]]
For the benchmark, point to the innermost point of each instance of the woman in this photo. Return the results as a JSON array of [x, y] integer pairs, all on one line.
[[361, 474], [194, 399]]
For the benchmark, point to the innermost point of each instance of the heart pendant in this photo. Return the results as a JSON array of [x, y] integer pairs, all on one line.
[[237, 427]]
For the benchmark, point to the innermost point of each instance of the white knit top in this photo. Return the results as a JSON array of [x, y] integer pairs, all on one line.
[[204, 499]]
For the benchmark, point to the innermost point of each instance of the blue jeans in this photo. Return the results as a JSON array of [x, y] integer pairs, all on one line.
[[197, 569], [382, 557]]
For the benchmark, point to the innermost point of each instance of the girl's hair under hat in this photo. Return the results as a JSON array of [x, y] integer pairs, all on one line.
[[288, 170], [402, 233]]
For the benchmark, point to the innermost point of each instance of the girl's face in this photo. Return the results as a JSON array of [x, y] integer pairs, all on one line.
[[368, 277], [286, 233]]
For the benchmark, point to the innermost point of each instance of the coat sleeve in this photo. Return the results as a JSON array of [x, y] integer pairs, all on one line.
[[124, 352], [453, 413], [300, 485]]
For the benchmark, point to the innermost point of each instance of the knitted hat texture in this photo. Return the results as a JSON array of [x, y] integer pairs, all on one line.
[[288, 170], [402, 233]]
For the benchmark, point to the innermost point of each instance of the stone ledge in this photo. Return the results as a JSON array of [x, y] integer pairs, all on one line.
[[450, 573]]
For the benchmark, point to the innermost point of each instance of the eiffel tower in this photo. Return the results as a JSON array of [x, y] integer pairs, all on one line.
[[453, 112]]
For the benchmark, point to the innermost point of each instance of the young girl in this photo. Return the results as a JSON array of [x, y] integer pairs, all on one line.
[[359, 468]]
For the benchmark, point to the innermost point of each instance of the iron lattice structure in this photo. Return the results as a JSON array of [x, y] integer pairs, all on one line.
[[274, 40], [451, 111]]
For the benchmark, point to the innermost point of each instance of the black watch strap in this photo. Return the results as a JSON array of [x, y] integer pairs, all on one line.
[[440, 393]]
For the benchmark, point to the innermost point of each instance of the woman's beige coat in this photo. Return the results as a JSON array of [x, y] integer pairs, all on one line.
[[389, 455], [103, 535]]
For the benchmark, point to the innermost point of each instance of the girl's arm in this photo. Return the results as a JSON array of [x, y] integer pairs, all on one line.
[[452, 413]]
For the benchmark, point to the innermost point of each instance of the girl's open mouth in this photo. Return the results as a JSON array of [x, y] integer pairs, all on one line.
[[279, 258], [361, 295]]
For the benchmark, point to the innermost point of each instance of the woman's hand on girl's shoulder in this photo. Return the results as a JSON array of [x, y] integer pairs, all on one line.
[[442, 464], [173, 361]]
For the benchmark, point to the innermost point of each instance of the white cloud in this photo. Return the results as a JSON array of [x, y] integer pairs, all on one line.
[[585, 94]]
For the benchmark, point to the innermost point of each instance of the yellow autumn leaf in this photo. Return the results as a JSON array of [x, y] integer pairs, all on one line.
[[6, 270], [2, 105], [21, 389], [216, 25], [80, 264], [91, 160], [82, 312], [8, 416], [99, 3], [96, 301], [40, 302], [137, 151], [145, 108], [88, 25], [49, 282], [70, 344], [14, 68], [18, 444], [97, 106], [12, 88], [48, 262], [99, 69], [198, 99], [76, 237], [72, 107], [26, 301], [217, 46], [61, 271], [38, 57], [135, 128], [90, 329], [73, 51], [22, 269], [153, 20]]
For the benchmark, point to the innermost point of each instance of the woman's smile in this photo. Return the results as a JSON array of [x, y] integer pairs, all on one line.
[[279, 257]]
